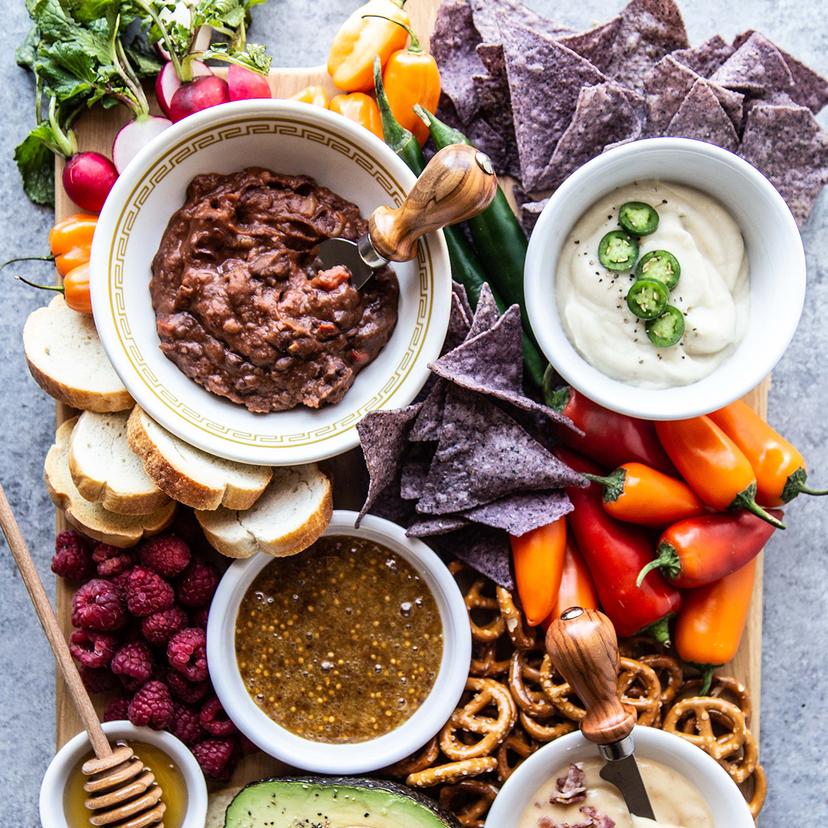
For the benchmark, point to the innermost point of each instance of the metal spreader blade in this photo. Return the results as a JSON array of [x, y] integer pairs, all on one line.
[[624, 774], [359, 257]]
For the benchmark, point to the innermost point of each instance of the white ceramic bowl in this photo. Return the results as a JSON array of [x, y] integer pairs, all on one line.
[[725, 800], [358, 757], [57, 774], [286, 137], [774, 249]]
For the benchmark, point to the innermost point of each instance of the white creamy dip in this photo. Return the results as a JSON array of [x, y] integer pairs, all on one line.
[[676, 802], [713, 291]]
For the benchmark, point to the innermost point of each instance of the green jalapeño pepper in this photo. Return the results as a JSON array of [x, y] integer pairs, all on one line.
[[647, 298], [618, 250], [638, 218], [660, 265], [667, 329]]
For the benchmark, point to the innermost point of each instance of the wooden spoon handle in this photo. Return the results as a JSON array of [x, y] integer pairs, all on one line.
[[40, 601], [458, 183], [584, 649]]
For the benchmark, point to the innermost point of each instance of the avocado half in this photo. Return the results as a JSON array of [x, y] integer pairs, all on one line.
[[333, 802]]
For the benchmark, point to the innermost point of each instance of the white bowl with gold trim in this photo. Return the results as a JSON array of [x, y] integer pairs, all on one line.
[[286, 137]]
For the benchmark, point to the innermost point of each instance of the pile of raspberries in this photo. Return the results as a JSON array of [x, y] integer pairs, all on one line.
[[140, 618]]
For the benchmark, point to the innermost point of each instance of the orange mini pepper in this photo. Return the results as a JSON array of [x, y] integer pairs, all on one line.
[[371, 30], [538, 557], [712, 464], [361, 108], [577, 588], [638, 494], [315, 95], [780, 469], [75, 288]]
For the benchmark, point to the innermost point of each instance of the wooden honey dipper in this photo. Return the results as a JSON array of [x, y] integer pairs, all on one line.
[[122, 792]]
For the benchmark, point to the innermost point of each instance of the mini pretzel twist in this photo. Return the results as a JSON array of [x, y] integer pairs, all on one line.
[[723, 687], [523, 636], [760, 791], [517, 744], [471, 718], [670, 675], [640, 689], [418, 761], [477, 604], [524, 671], [469, 800], [451, 772], [547, 730], [485, 663], [637, 646], [733, 747], [558, 691]]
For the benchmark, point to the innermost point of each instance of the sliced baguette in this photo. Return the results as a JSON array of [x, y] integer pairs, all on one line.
[[192, 476], [293, 512], [91, 518], [67, 360], [105, 469]]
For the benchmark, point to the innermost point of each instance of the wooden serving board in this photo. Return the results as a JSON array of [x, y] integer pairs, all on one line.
[[95, 132]]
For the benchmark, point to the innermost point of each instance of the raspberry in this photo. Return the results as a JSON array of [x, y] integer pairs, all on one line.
[[117, 710], [160, 627], [199, 616], [189, 692], [186, 527], [121, 580], [185, 724], [133, 664], [98, 605], [110, 560], [72, 559], [97, 681], [92, 649], [197, 585], [215, 756], [187, 653], [147, 592], [152, 706], [214, 720], [167, 555]]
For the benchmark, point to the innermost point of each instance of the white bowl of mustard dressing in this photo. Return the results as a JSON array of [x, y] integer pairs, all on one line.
[[768, 315], [724, 800]]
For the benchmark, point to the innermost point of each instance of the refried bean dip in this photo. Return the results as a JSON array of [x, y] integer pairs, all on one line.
[[240, 308], [341, 643]]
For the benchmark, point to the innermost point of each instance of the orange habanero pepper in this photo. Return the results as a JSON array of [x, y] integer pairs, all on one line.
[[370, 31], [712, 464], [361, 108], [639, 494], [538, 557], [315, 95], [780, 469], [70, 243], [75, 288]]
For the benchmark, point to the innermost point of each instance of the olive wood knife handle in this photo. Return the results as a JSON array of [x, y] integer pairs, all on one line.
[[459, 182], [584, 649]]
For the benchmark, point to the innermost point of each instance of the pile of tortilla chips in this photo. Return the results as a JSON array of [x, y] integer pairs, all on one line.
[[470, 460], [542, 99]]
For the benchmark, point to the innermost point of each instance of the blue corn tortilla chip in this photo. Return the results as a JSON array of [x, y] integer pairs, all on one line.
[[707, 57], [483, 455], [389, 505], [429, 420], [430, 526], [604, 114], [521, 513], [486, 314], [463, 298], [530, 213], [596, 44], [382, 436], [485, 550], [412, 478], [786, 143], [701, 116], [459, 324], [756, 68]]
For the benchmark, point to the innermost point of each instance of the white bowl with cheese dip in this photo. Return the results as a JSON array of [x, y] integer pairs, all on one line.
[[742, 270], [724, 800]]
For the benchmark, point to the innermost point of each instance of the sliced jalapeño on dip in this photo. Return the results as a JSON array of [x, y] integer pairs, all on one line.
[[668, 329], [638, 218], [618, 250], [647, 298], [660, 265]]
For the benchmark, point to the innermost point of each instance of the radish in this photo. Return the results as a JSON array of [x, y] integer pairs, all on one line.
[[196, 95], [133, 136], [87, 178], [168, 83], [244, 83]]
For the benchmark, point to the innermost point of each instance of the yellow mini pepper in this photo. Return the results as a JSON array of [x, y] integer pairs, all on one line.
[[361, 108], [315, 95]]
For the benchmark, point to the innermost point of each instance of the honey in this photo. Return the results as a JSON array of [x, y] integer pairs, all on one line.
[[166, 773]]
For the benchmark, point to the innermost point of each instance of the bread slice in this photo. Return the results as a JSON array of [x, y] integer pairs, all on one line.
[[91, 518], [105, 469], [293, 512], [67, 360], [189, 475]]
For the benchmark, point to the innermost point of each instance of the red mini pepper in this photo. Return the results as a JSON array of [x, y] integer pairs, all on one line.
[[615, 553], [699, 550], [610, 439]]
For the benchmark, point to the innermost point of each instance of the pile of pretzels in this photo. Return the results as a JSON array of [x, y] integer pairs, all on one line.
[[515, 701]]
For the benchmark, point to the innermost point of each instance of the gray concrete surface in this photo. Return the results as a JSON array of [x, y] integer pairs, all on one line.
[[795, 686]]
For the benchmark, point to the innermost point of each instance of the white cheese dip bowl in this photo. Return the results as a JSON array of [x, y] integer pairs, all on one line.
[[776, 272], [724, 799]]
